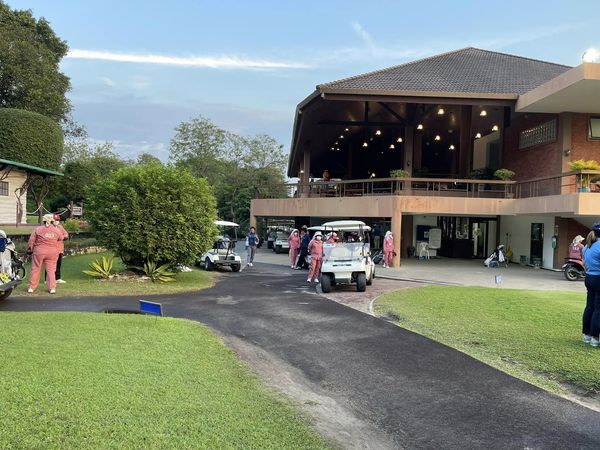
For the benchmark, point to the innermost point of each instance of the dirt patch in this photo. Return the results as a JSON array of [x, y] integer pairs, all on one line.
[[332, 418]]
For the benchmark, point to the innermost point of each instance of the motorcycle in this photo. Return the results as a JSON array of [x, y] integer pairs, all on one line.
[[573, 269], [12, 269]]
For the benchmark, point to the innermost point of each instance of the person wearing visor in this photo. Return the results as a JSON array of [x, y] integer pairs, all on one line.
[[315, 248], [44, 247], [331, 238], [61, 248]]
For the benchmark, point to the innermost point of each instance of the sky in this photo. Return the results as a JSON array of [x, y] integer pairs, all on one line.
[[139, 68]]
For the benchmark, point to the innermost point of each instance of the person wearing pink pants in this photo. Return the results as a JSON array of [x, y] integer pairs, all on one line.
[[294, 244], [388, 249], [315, 247], [44, 244]]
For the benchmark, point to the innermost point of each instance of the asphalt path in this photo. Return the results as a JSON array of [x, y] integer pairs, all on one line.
[[420, 393]]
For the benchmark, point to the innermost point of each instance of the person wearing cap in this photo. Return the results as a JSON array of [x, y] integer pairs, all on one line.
[[332, 238], [591, 313], [315, 247], [388, 249], [576, 248], [294, 245], [61, 248], [44, 246], [304, 241]]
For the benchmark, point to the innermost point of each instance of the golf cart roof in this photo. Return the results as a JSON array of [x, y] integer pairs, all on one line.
[[345, 225], [225, 223]]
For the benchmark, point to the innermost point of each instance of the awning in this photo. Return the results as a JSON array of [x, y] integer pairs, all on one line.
[[29, 168], [577, 90]]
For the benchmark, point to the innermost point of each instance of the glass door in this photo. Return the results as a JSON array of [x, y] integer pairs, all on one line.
[[536, 250], [479, 239]]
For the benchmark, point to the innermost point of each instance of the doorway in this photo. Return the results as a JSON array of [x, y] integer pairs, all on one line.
[[536, 250], [479, 236]]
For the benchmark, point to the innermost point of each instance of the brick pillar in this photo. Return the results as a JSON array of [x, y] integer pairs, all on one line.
[[397, 232]]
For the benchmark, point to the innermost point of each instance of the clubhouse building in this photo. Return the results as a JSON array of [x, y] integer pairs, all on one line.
[[446, 124]]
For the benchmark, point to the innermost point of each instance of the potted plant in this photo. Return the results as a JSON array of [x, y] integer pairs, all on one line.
[[504, 174], [585, 178], [399, 173]]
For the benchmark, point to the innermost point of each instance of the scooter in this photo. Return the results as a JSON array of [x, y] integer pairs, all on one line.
[[12, 271], [573, 269]]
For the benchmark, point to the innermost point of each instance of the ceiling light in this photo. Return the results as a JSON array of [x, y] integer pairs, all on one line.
[[337, 149], [591, 55], [483, 113], [341, 136], [365, 144], [478, 135], [301, 171], [332, 148], [373, 175], [392, 146], [420, 126], [437, 137], [378, 133], [451, 147], [495, 128], [336, 142], [441, 111], [399, 139], [346, 130]]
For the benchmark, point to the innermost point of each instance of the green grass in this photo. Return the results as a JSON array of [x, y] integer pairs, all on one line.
[[74, 380], [534, 335], [78, 283]]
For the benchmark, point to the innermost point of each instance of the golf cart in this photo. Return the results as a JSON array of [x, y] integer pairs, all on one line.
[[223, 252], [348, 260], [12, 271], [281, 242]]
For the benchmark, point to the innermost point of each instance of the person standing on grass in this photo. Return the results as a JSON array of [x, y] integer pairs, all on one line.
[[304, 241], [44, 246], [294, 244], [388, 249], [252, 243], [591, 313], [315, 247], [61, 248]]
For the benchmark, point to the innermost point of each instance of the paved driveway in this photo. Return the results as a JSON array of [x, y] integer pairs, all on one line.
[[413, 391]]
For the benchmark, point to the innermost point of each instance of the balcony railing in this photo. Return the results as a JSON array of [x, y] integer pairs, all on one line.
[[565, 183]]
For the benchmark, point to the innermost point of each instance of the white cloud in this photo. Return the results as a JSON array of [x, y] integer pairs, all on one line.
[[108, 82], [212, 62]]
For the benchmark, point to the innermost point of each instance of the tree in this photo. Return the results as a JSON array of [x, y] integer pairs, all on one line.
[[238, 168], [153, 213], [30, 54], [147, 158]]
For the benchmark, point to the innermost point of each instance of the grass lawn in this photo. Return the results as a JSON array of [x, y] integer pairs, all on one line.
[[78, 283], [75, 380], [533, 335]]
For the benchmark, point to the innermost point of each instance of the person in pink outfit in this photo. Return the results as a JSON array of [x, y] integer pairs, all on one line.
[[388, 249], [61, 248], [45, 247], [315, 248], [331, 238], [294, 244]]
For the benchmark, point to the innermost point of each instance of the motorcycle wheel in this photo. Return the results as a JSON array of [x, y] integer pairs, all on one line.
[[571, 273], [5, 294]]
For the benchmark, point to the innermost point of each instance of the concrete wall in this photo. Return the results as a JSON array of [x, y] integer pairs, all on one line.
[[8, 203], [519, 228]]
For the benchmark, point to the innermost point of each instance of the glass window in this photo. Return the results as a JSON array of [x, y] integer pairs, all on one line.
[[594, 129], [4, 188]]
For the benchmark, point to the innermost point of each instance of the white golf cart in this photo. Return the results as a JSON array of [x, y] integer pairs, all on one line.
[[281, 243], [223, 252], [349, 259]]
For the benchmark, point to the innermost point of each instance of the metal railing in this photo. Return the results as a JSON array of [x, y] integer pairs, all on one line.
[[568, 182]]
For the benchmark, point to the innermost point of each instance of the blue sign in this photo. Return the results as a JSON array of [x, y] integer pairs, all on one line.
[[150, 308]]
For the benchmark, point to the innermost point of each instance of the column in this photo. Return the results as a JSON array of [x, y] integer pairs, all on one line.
[[465, 150], [417, 151], [306, 175], [253, 221], [397, 232], [564, 149], [409, 149]]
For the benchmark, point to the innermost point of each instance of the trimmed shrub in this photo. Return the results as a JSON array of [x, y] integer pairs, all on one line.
[[153, 213], [30, 138]]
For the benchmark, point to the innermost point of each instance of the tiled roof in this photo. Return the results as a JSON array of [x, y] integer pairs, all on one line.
[[469, 70]]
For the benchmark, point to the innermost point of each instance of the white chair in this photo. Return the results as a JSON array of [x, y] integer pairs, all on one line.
[[423, 250]]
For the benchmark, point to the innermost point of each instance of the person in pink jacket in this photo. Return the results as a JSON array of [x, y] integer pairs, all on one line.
[[44, 244], [388, 249], [315, 248], [294, 244]]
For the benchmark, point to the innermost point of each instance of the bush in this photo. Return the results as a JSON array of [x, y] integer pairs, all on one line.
[[30, 138], [399, 173], [504, 174], [153, 213], [72, 225], [582, 164]]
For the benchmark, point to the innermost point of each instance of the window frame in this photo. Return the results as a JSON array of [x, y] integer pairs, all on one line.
[[4, 185], [591, 137]]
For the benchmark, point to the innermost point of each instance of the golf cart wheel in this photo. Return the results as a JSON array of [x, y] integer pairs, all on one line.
[[5, 294], [370, 280], [278, 249], [361, 282], [571, 274], [236, 267], [208, 264], [326, 283]]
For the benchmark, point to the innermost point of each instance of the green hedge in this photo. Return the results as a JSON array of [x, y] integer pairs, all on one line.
[[30, 138]]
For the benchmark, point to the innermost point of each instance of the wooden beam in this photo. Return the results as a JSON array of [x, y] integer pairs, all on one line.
[[421, 100], [392, 112], [359, 123]]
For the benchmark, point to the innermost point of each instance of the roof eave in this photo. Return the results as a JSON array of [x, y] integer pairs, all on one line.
[[400, 93], [297, 125], [30, 168]]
